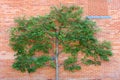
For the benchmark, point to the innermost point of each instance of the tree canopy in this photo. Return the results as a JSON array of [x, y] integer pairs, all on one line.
[[71, 30]]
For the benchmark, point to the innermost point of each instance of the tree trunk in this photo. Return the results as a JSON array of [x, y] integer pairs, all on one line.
[[56, 57]]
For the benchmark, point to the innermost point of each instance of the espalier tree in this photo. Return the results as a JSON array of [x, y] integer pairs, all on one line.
[[64, 27]]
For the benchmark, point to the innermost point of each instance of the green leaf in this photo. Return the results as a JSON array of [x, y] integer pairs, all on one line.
[[89, 62], [52, 64]]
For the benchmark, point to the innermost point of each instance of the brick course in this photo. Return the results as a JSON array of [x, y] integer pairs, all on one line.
[[10, 9]]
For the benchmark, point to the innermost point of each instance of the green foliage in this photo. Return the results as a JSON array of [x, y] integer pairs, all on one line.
[[30, 64], [52, 64], [75, 34], [70, 64], [90, 62]]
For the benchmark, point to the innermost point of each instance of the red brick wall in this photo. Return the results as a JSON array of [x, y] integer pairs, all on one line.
[[10, 9], [99, 7]]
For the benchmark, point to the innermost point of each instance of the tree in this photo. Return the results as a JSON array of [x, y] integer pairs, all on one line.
[[64, 27]]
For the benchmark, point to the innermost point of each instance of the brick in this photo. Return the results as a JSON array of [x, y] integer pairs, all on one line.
[[97, 8], [10, 9]]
